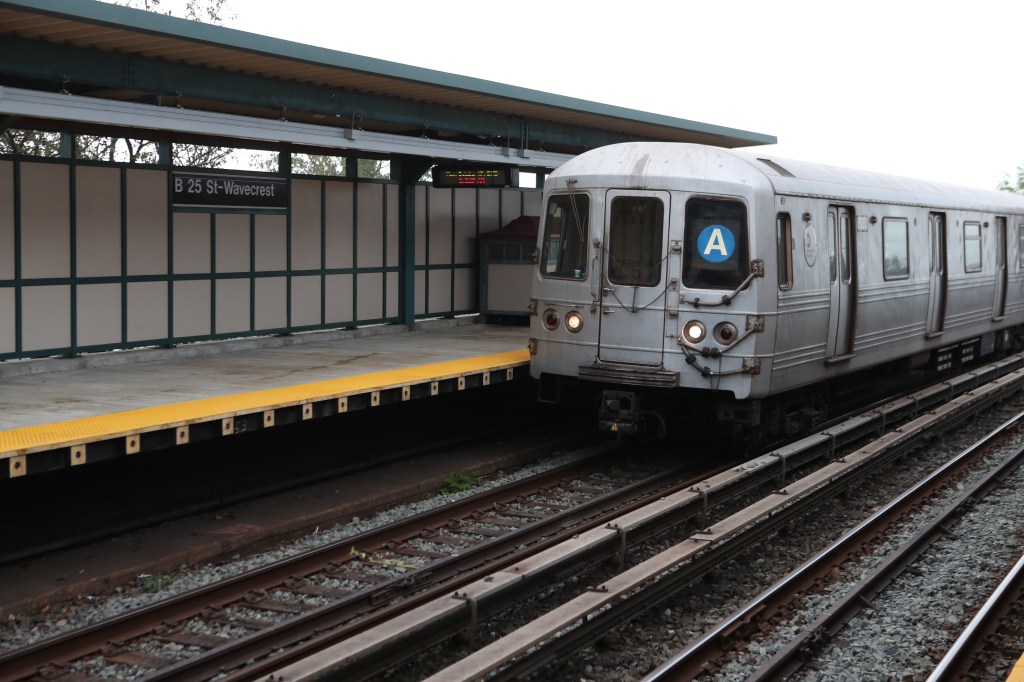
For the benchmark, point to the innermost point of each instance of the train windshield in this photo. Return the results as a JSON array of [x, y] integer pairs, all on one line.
[[715, 251], [566, 229], [635, 241]]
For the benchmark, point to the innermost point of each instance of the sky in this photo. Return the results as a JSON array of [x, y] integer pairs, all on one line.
[[928, 89]]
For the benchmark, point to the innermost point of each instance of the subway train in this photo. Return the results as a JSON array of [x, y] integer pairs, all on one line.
[[692, 286]]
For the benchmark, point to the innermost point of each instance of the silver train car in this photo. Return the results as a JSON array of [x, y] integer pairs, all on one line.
[[696, 284]]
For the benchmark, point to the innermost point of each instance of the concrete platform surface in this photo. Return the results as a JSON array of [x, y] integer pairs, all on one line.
[[36, 392]]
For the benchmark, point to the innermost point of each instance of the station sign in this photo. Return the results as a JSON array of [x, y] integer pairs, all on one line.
[[228, 191], [465, 175]]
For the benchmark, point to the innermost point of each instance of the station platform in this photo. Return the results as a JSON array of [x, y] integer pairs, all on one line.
[[62, 412]]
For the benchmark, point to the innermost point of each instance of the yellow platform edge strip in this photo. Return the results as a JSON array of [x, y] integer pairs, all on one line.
[[41, 437], [1017, 674]]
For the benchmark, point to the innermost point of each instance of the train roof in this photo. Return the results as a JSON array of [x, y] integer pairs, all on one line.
[[668, 161]]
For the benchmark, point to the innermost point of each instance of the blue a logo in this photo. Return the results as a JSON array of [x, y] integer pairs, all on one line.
[[716, 243]]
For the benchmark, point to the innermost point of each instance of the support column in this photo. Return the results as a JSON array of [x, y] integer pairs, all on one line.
[[407, 170]]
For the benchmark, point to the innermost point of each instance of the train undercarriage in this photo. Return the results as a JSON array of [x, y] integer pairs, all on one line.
[[630, 411]]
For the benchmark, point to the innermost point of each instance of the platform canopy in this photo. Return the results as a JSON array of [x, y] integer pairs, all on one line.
[[182, 81]]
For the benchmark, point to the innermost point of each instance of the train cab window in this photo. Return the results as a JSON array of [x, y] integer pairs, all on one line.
[[715, 244], [635, 230], [895, 248], [784, 243], [972, 247], [566, 228]]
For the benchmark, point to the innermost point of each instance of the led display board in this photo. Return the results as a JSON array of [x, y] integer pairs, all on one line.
[[464, 175]]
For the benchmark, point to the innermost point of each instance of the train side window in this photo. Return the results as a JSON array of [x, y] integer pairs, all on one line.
[[635, 237], [1020, 246], [784, 243], [972, 247], [715, 244], [831, 247], [895, 248], [566, 228]]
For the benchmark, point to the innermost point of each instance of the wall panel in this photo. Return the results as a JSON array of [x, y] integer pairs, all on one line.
[[511, 205], [391, 281], [421, 226], [146, 216], [421, 292], [338, 217], [271, 242], [6, 220], [465, 227], [305, 301], [45, 220], [99, 314], [369, 299], [305, 228], [466, 289], [192, 308], [46, 317], [439, 246], [370, 226], [271, 303], [232, 242], [98, 222], [147, 311], [8, 327], [392, 228], [191, 243], [338, 299], [439, 299], [232, 306], [489, 201]]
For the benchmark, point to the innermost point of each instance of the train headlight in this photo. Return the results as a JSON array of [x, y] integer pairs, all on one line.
[[694, 331], [550, 320], [726, 333], [574, 322]]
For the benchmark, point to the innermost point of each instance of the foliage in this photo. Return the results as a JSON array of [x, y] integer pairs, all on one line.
[[1016, 187], [459, 482], [206, 11], [29, 142], [100, 148], [152, 583], [325, 166]]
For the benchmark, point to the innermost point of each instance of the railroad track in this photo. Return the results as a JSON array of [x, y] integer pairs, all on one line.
[[346, 586], [768, 611], [598, 609], [309, 624]]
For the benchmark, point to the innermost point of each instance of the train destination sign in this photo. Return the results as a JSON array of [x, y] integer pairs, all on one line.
[[232, 191], [475, 176]]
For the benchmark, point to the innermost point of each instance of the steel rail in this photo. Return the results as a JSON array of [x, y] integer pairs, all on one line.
[[958, 659]]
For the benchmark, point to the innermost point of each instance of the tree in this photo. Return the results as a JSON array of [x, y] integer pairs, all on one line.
[[205, 11], [1016, 187], [29, 142], [324, 165]]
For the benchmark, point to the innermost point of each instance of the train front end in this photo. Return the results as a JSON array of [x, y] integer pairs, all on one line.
[[646, 286]]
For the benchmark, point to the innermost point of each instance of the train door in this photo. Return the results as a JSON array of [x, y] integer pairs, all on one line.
[[842, 287], [999, 307], [936, 273], [633, 278]]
